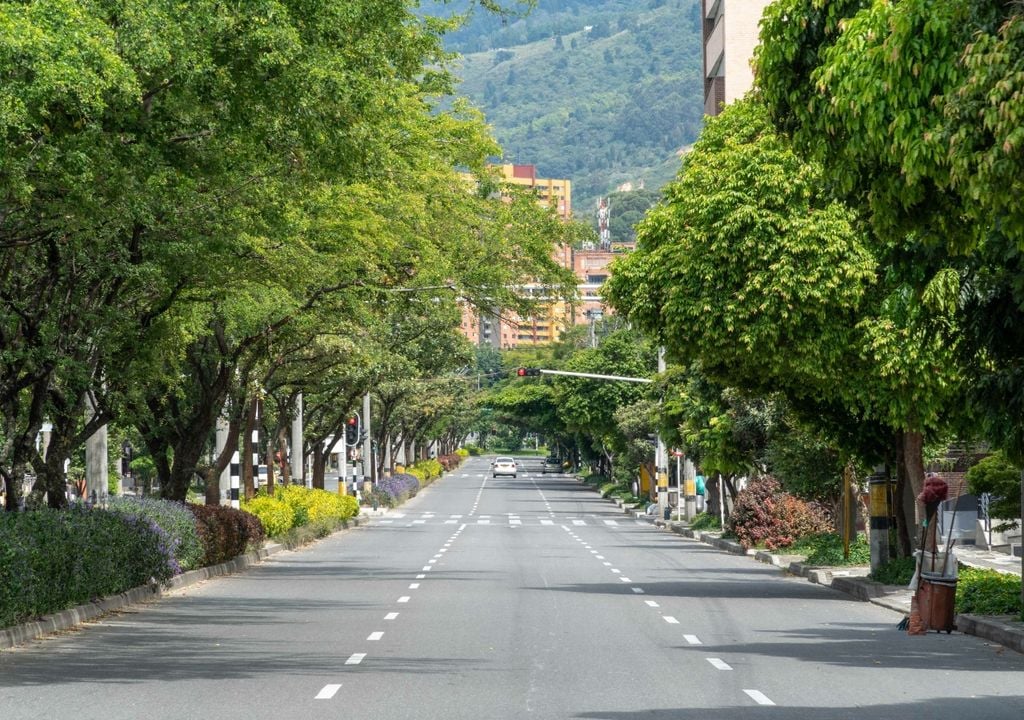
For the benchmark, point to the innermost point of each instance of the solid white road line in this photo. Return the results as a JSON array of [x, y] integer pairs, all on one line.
[[355, 659], [375, 636], [391, 616], [719, 663], [671, 620], [328, 692], [759, 697], [651, 603], [692, 639], [403, 599]]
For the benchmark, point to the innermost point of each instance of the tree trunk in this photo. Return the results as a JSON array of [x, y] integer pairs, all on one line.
[[913, 462], [282, 445], [904, 545], [319, 461]]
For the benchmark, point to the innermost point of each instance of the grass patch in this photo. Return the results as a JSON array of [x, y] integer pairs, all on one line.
[[897, 571], [827, 549], [706, 521]]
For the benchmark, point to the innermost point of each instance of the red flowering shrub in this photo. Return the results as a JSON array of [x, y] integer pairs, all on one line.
[[225, 532], [449, 462], [765, 515]]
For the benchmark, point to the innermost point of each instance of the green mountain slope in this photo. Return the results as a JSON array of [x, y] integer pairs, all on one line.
[[603, 92]]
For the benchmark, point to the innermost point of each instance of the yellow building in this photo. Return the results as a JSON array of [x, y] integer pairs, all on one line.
[[555, 193]]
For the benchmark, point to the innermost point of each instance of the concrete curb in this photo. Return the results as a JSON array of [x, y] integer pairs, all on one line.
[[72, 617], [1004, 630]]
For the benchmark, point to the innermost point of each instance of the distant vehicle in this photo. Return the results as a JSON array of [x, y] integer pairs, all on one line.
[[504, 466], [552, 465]]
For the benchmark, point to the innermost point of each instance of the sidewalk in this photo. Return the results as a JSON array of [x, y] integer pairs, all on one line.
[[1005, 630]]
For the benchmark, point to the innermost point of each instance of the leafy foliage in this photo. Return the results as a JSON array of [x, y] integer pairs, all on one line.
[[998, 476], [898, 571]]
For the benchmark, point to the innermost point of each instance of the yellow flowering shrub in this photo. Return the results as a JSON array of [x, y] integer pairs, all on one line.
[[276, 516]]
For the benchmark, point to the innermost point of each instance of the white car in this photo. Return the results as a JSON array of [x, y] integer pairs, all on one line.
[[504, 466]]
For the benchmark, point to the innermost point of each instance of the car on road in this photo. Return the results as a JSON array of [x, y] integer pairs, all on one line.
[[551, 465], [504, 466]]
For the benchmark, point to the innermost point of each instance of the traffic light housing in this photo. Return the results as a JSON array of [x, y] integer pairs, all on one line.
[[528, 372], [352, 428]]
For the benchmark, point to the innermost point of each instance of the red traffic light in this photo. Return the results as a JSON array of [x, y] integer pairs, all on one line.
[[353, 421], [528, 372], [521, 372]]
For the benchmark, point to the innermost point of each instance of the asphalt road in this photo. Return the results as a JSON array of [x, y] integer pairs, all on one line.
[[508, 598]]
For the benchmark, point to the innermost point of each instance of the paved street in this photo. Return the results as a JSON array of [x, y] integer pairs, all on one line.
[[508, 598]]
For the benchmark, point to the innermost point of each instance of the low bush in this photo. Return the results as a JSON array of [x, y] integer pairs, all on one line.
[[705, 521], [827, 549], [473, 450], [295, 506], [766, 516], [463, 453], [276, 516], [449, 462], [608, 488], [430, 469], [226, 532], [398, 488], [172, 517], [51, 560], [987, 592], [898, 571], [595, 479]]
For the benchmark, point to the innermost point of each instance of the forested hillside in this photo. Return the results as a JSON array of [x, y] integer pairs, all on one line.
[[604, 92]]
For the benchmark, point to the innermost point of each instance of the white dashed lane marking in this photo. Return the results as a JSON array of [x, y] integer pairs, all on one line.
[[625, 579], [651, 603], [375, 636], [692, 639], [671, 620], [391, 616], [414, 586], [328, 692], [403, 599], [355, 659], [638, 591], [759, 697], [719, 663]]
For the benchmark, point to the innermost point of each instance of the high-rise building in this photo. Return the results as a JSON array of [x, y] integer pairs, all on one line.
[[556, 193], [731, 29]]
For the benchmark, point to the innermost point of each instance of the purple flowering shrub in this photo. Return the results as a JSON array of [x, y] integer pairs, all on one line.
[[55, 559], [173, 519], [398, 488]]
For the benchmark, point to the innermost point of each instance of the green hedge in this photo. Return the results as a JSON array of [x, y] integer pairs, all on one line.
[[51, 560], [827, 549]]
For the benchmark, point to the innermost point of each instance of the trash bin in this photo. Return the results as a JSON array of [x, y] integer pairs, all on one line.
[[936, 597]]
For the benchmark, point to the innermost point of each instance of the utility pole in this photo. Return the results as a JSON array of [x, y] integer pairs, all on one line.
[[368, 464], [224, 481], [95, 458], [660, 455]]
